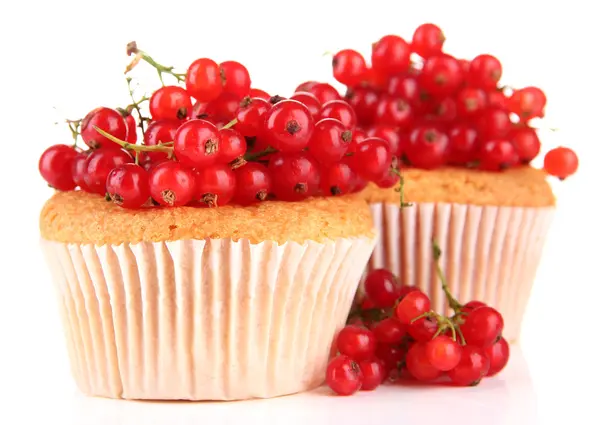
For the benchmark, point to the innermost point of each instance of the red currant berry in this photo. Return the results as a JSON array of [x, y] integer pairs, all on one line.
[[391, 355], [472, 305], [344, 376], [232, 146], [337, 179], [131, 129], [253, 183], [528, 103], [561, 162], [250, 116], [497, 99], [160, 132], [288, 125], [374, 373], [79, 170], [56, 167], [235, 77], [462, 144], [497, 155], [382, 288], [445, 111], [390, 55], [372, 159], [493, 123], [406, 289], [483, 327], [393, 111], [473, 366], [99, 164], [223, 108], [411, 306], [427, 147], [306, 86], [526, 143], [389, 180], [197, 144], [374, 79], [203, 80], [310, 101], [364, 101], [356, 342], [295, 176], [423, 330], [348, 67], [390, 134], [441, 76], [389, 331], [341, 111], [260, 94], [105, 119], [215, 185], [358, 136], [127, 186], [484, 72], [403, 86], [330, 141], [428, 40], [470, 101], [498, 355], [443, 353], [418, 364], [323, 92], [170, 103], [171, 184]]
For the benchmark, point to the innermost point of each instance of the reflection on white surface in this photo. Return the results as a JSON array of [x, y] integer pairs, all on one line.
[[508, 399]]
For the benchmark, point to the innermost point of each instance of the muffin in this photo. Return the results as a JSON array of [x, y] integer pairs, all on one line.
[[195, 303], [490, 226]]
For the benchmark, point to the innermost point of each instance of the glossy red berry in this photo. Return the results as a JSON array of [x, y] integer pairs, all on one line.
[[250, 116], [484, 72], [427, 147], [348, 67], [99, 164], [56, 166], [473, 366], [197, 144], [215, 185], [223, 108], [393, 111], [295, 176], [330, 141], [323, 92], [158, 132], [374, 373], [493, 123], [470, 101], [389, 331], [389, 180], [462, 144], [337, 179], [374, 79], [306, 86], [356, 342], [171, 184], [498, 355], [232, 147], [472, 305], [79, 170], [428, 40], [235, 78], [418, 364], [443, 353], [203, 80], [403, 86], [561, 162], [310, 101], [253, 183], [497, 99], [528, 102], [441, 76], [364, 100], [258, 93], [382, 288], [526, 143], [390, 55], [343, 376], [288, 126], [341, 111], [170, 103], [358, 136], [390, 134], [482, 327], [423, 329], [411, 306], [105, 119], [127, 186], [131, 129], [372, 159], [391, 355], [497, 155]]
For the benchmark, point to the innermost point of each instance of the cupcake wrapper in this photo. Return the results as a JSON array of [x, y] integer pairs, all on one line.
[[204, 319], [489, 253]]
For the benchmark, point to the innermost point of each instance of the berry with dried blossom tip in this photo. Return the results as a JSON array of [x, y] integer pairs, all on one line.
[[484, 72], [428, 40], [236, 78], [372, 159], [160, 132], [463, 144], [99, 164], [127, 186], [105, 119], [497, 155], [427, 147], [170, 103], [441, 75], [288, 126], [344, 376], [403, 86], [348, 67], [330, 141], [250, 115], [528, 103], [470, 101], [171, 184], [232, 147], [390, 55], [253, 183], [561, 162], [394, 111], [295, 176], [56, 166], [337, 179], [215, 185], [203, 80], [196, 143]]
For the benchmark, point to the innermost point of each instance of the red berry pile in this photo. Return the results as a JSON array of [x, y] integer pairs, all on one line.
[[395, 335]]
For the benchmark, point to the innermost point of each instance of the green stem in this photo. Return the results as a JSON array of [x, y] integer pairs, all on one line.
[[136, 105], [254, 156], [452, 302], [230, 124], [400, 188], [161, 147], [462, 337], [161, 69]]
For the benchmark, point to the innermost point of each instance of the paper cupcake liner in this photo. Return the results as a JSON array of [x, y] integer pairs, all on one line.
[[489, 253], [204, 319]]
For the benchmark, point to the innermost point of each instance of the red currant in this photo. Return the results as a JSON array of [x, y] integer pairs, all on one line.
[[306, 86], [105, 119], [483, 327], [260, 94], [344, 376], [250, 116], [295, 176], [443, 353], [374, 79], [411, 306], [441, 75], [427, 147], [232, 146], [79, 170], [358, 136], [253, 183], [497, 155], [348, 67], [493, 123], [131, 129], [391, 355], [235, 77], [197, 143], [498, 355], [310, 101], [389, 331], [356, 342], [484, 72], [374, 373], [127, 186], [337, 179], [56, 166], [528, 103], [470, 102], [462, 144], [341, 111], [364, 101], [288, 125], [423, 330], [171, 184], [418, 364], [160, 132], [223, 108], [406, 289], [428, 40], [472, 305], [330, 141], [323, 92], [389, 180], [390, 55], [445, 110], [170, 103], [203, 80], [382, 288], [372, 159], [497, 99], [403, 86], [393, 111], [561, 162], [526, 143], [473, 366], [99, 164], [391, 135], [215, 185]]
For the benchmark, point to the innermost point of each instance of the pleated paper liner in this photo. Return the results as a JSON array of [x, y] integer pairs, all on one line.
[[204, 320], [489, 253]]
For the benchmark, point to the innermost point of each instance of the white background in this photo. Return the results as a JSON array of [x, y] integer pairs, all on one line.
[[59, 59]]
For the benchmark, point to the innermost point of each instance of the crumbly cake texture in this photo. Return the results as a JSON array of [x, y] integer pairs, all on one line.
[[516, 187], [79, 217]]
